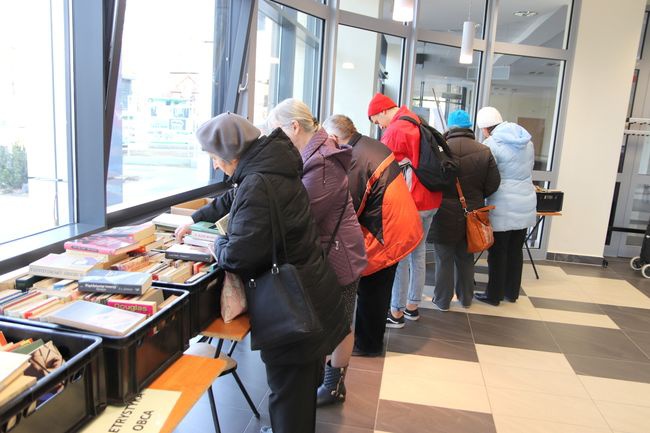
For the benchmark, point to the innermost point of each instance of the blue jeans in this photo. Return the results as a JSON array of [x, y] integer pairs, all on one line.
[[409, 277]]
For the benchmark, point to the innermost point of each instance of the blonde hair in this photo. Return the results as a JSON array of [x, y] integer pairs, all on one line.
[[289, 110], [340, 125]]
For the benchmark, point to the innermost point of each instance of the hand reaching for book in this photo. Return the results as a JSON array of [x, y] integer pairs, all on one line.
[[181, 231]]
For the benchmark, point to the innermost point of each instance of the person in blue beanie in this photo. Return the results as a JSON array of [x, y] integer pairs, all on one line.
[[515, 204], [479, 178]]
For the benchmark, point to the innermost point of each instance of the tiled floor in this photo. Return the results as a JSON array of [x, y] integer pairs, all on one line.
[[571, 356]]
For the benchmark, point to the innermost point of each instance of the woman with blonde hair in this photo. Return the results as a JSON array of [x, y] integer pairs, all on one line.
[[325, 168]]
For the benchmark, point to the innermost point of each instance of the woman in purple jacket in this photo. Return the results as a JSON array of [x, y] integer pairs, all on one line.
[[325, 178]]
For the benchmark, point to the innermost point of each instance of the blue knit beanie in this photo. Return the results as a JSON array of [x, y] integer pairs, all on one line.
[[459, 119]]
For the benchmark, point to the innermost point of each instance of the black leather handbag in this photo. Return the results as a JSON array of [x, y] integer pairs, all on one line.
[[280, 311]]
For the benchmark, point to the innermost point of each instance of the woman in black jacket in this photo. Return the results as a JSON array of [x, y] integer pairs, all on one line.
[[236, 147], [479, 177]]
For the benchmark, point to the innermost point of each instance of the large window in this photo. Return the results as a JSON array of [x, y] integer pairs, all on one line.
[[526, 91], [542, 23], [449, 16], [441, 84], [288, 58], [35, 142], [372, 8], [165, 90], [373, 63]]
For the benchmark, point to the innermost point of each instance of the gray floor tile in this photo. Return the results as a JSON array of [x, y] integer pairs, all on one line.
[[641, 339], [448, 326], [322, 427], [405, 417], [596, 342], [460, 350], [634, 319], [610, 368], [556, 304], [516, 333], [360, 406]]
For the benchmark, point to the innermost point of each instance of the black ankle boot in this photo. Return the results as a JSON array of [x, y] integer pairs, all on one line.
[[332, 389]]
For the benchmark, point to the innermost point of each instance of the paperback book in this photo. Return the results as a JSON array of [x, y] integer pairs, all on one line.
[[97, 318], [63, 266], [130, 233], [108, 281], [106, 245]]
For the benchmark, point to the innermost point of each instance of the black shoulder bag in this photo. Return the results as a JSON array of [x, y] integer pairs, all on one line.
[[437, 169], [280, 311]]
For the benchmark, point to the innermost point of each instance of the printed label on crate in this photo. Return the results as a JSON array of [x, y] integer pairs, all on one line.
[[147, 413]]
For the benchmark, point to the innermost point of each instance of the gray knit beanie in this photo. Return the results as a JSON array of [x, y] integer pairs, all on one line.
[[227, 135]]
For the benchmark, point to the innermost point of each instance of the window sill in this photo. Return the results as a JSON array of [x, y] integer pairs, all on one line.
[[21, 252]]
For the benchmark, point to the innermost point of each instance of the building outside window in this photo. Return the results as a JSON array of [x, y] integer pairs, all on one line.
[[288, 58], [36, 182]]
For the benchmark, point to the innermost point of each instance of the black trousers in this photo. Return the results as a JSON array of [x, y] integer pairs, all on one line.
[[292, 403], [373, 301], [505, 262]]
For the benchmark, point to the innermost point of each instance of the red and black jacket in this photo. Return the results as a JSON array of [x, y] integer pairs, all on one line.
[[387, 213]]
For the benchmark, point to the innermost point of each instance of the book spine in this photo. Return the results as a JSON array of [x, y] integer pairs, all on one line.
[[64, 274], [120, 289], [147, 310], [203, 236], [186, 256], [90, 248]]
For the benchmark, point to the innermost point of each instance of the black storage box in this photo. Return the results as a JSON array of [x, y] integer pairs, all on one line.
[[133, 361], [205, 299], [84, 392], [549, 201]]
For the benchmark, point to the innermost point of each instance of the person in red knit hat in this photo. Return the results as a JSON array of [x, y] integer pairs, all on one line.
[[403, 139]]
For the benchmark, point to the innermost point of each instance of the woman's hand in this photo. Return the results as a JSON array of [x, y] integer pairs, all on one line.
[[181, 231]]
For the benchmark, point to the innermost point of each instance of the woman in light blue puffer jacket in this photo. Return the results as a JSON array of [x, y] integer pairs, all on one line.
[[515, 204]]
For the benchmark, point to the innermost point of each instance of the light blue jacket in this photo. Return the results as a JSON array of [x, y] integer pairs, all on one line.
[[515, 200]]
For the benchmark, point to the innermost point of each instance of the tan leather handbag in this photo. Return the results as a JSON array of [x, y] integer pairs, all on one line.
[[478, 228]]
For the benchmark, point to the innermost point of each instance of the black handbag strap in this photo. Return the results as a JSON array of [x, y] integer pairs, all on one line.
[[277, 227], [336, 229]]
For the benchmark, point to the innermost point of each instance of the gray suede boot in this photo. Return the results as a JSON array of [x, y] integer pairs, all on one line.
[[332, 390]]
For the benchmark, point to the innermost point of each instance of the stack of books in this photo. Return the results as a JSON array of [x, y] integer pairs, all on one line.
[[23, 362]]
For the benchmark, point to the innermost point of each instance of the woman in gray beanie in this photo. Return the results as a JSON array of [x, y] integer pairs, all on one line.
[[237, 148]]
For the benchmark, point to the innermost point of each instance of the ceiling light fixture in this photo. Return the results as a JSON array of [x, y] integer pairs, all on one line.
[[467, 41], [347, 65], [403, 11], [524, 14]]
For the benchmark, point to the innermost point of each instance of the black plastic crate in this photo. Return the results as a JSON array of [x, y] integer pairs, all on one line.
[[133, 361], [549, 201], [205, 298], [84, 392]]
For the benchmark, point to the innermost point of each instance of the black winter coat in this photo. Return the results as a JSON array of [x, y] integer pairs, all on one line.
[[479, 178], [247, 251]]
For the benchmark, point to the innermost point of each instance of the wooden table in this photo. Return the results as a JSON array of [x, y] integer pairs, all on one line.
[[192, 376], [234, 331]]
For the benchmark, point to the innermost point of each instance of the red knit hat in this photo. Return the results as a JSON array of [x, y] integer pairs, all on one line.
[[380, 103]]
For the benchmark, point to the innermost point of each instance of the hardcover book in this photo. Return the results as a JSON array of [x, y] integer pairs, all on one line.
[[12, 366], [148, 308], [206, 227], [170, 221], [188, 252], [96, 318], [130, 283], [106, 245], [63, 266]]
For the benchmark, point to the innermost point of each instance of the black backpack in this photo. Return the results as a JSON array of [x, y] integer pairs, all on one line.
[[437, 169]]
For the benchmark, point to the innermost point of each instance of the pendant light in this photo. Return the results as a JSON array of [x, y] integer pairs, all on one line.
[[403, 11], [467, 42]]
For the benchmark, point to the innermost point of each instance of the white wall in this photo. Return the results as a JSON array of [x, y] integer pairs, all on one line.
[[599, 90]]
